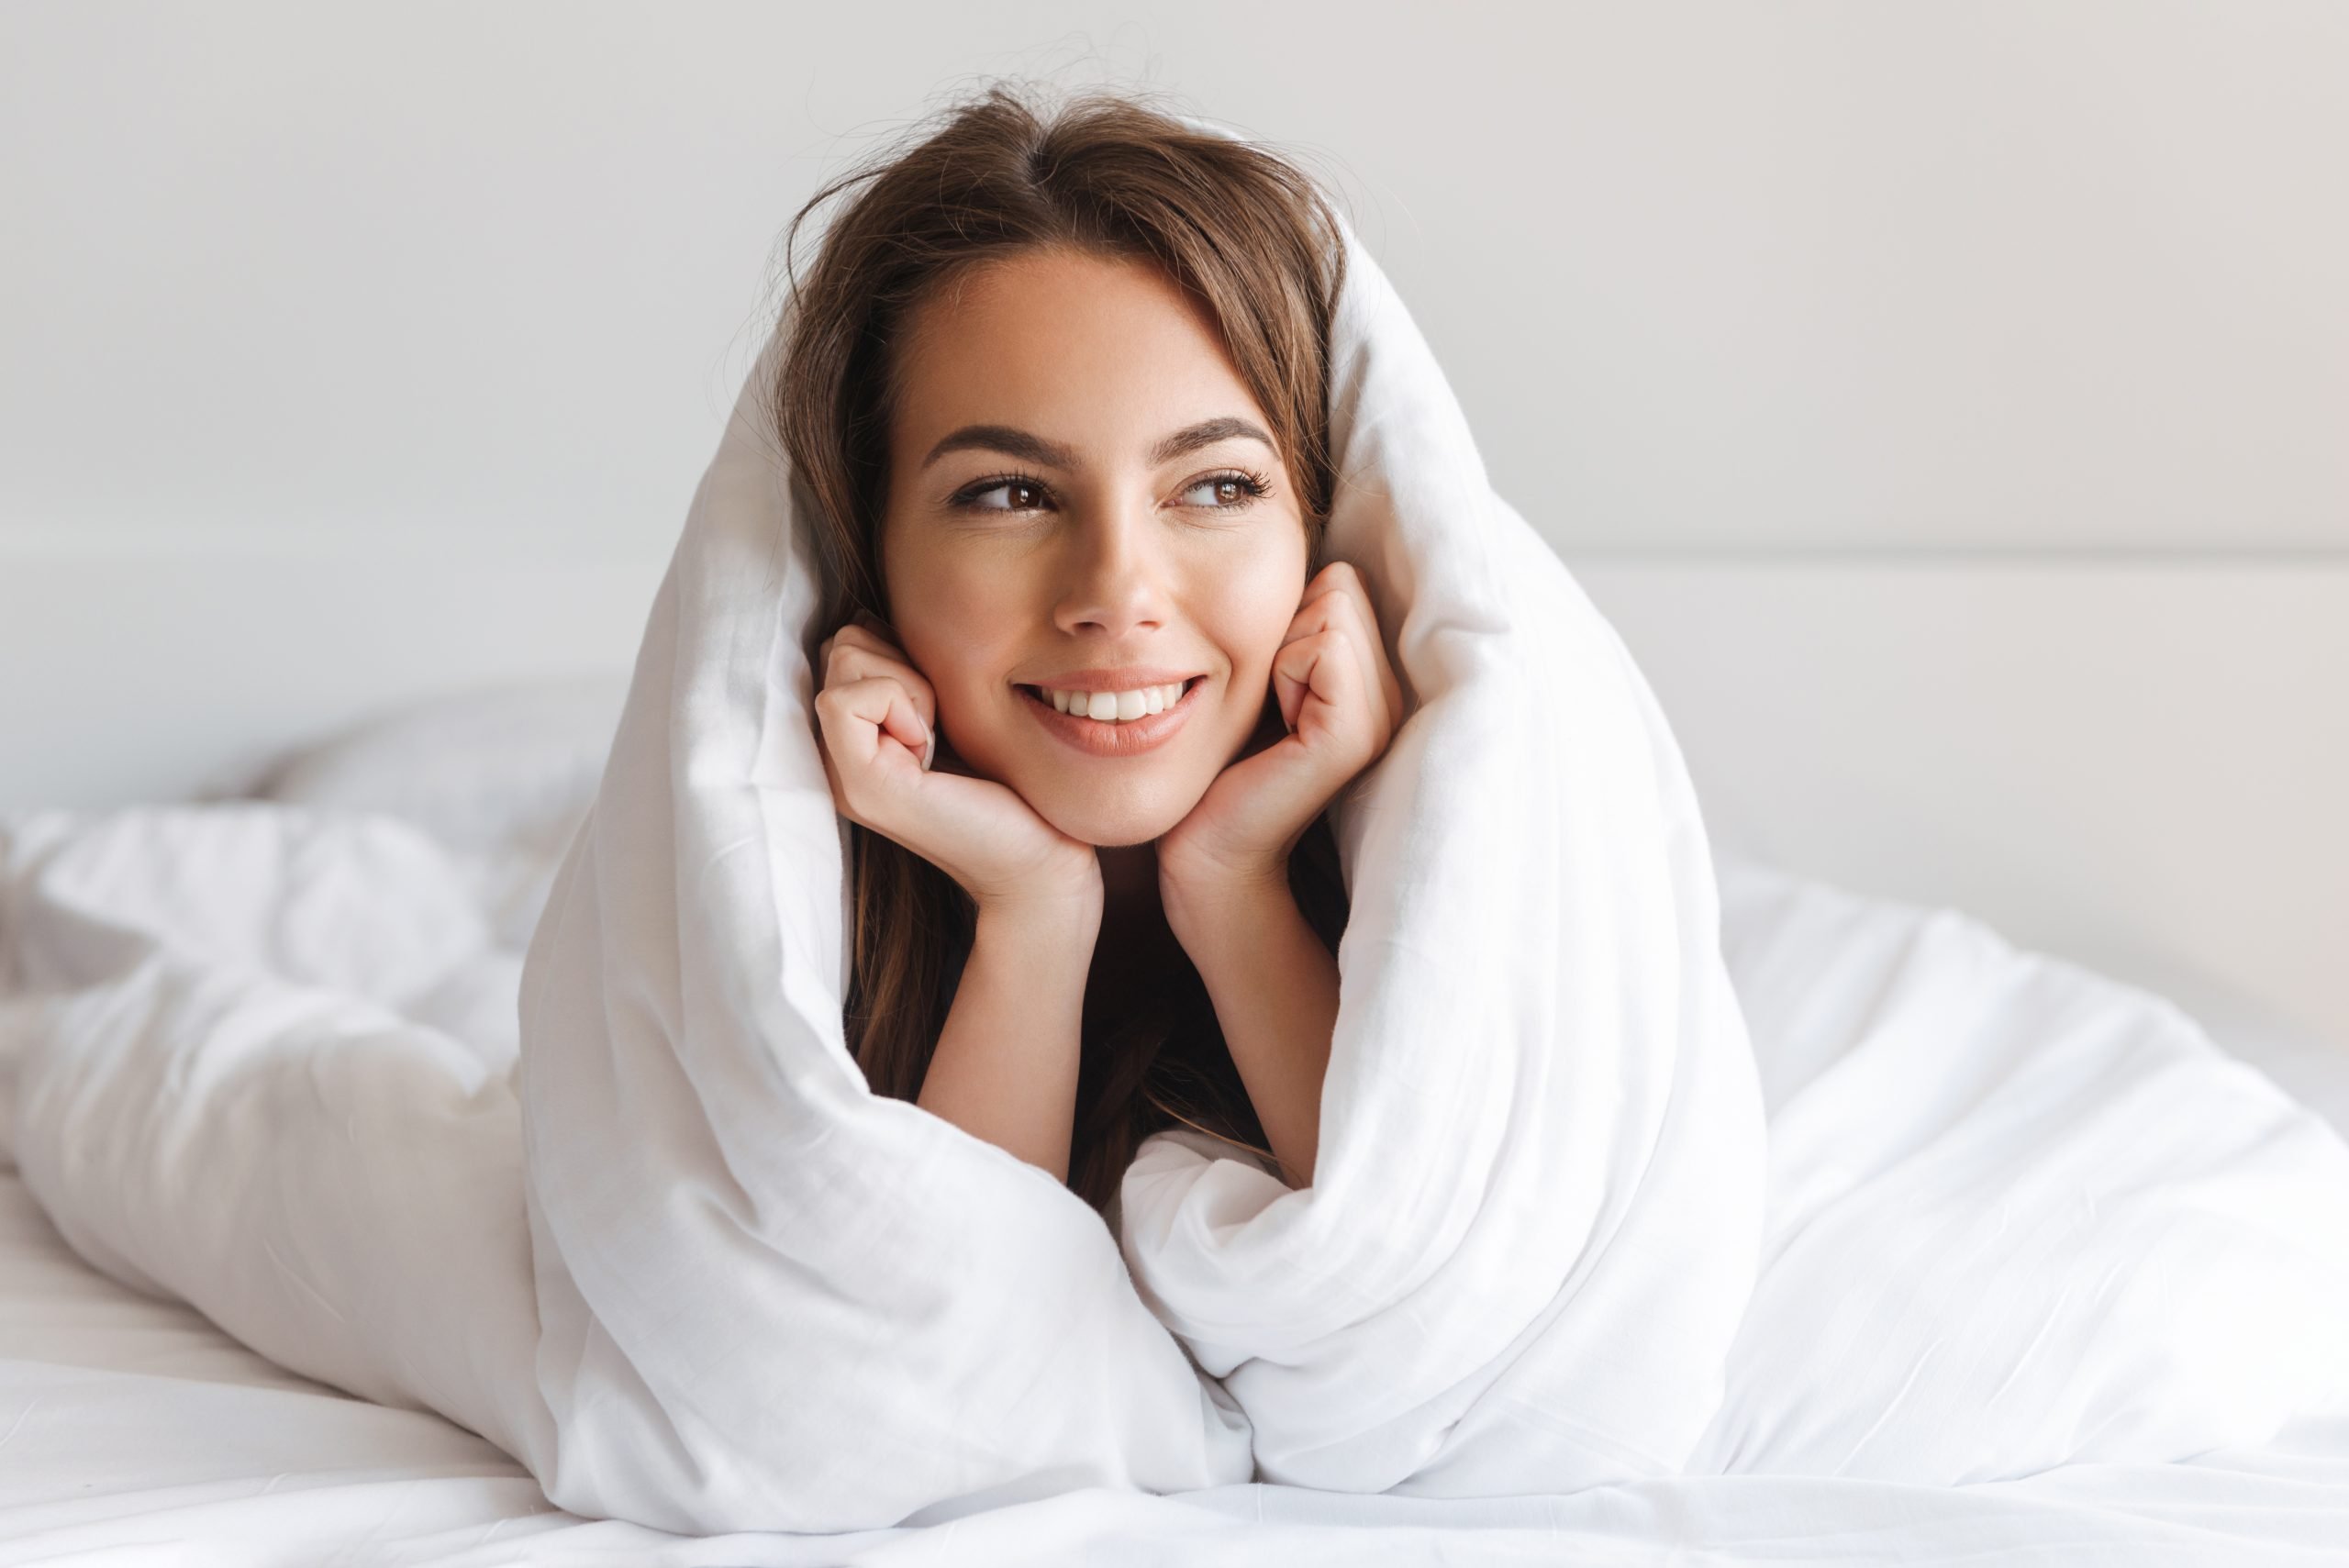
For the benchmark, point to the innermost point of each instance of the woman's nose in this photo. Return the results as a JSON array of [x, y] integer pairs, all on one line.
[[1115, 577]]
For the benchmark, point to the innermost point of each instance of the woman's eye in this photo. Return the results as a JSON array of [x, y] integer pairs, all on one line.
[[1017, 496], [1227, 491]]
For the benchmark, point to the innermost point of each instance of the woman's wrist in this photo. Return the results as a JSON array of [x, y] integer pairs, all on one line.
[[1199, 905], [1059, 902]]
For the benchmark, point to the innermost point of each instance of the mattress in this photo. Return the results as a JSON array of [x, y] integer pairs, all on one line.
[[132, 1431]]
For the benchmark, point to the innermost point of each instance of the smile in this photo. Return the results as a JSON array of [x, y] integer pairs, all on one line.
[[1114, 737]]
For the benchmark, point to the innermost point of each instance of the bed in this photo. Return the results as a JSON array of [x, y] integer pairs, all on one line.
[[132, 1431]]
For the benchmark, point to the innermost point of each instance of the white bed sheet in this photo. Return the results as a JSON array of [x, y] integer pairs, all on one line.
[[132, 1431]]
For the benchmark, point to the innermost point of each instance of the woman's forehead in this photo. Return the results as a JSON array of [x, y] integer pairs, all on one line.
[[1096, 358]]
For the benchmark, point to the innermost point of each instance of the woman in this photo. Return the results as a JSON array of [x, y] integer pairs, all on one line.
[[1059, 385]]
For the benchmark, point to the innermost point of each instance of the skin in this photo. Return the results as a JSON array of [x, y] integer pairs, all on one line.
[[1109, 552]]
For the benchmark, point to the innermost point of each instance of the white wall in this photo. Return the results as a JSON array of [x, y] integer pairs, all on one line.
[[2141, 765], [1953, 276]]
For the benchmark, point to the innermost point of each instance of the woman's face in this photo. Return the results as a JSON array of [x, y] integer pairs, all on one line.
[[1073, 467]]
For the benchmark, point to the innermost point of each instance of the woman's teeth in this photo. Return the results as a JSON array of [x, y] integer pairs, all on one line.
[[1118, 707]]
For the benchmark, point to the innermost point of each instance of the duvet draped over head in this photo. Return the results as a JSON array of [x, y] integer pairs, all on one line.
[[771, 1298]]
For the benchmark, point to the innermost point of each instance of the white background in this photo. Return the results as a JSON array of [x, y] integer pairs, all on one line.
[[2048, 275]]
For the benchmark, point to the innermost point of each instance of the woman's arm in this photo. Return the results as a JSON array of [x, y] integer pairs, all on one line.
[[1332, 705], [1004, 1069], [1275, 991]]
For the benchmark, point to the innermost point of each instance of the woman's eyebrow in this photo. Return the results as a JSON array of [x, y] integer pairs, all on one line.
[[1206, 433], [1034, 449], [1001, 439]]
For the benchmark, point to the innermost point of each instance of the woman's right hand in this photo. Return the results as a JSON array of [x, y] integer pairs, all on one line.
[[878, 716]]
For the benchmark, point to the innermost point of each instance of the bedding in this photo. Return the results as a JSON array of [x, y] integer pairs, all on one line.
[[131, 1428], [1656, 1201]]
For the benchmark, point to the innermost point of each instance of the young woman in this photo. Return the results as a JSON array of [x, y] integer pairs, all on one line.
[[1058, 386]]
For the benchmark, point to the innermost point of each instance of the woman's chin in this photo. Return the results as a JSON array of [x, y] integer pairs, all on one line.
[[1107, 827]]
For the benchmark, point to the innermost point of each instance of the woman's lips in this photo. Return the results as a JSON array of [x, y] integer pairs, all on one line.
[[1100, 738]]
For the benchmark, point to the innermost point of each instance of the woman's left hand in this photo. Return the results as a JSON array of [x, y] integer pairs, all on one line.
[[1340, 703]]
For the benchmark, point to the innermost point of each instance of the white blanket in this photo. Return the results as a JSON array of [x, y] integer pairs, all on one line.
[[692, 1272], [326, 1195], [319, 1163]]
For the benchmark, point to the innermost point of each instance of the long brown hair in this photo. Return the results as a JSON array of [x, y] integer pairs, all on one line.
[[1255, 240]]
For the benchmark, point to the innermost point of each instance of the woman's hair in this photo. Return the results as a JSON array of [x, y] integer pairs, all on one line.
[[1255, 242]]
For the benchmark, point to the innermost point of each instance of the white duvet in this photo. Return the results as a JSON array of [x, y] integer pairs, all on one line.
[[219, 1193], [664, 1247], [177, 1443]]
